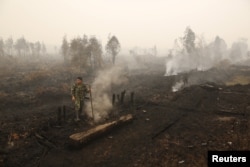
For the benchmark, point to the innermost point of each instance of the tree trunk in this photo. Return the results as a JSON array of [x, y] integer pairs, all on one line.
[[91, 134]]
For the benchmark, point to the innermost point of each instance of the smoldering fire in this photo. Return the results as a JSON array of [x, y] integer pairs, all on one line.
[[101, 88], [205, 56], [192, 53]]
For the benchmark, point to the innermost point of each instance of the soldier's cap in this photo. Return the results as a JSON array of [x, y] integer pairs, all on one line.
[[80, 78]]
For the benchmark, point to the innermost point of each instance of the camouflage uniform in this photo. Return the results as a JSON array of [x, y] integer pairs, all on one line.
[[79, 92]]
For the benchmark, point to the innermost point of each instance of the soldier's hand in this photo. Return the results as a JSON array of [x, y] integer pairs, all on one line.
[[73, 98]]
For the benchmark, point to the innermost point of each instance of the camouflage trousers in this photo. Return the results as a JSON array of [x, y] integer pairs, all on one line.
[[79, 106]]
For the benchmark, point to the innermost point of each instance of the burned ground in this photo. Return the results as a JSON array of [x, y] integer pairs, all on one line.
[[169, 128]]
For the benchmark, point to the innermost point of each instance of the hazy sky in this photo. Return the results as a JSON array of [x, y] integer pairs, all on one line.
[[135, 22]]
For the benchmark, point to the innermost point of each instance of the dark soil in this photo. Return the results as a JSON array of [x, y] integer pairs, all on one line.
[[169, 129]]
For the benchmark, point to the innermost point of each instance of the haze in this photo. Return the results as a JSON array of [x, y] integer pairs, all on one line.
[[142, 23]]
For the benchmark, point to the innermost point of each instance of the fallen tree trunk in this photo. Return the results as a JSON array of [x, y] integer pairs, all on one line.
[[84, 137]]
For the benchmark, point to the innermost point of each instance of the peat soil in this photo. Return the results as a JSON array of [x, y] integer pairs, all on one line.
[[169, 128]]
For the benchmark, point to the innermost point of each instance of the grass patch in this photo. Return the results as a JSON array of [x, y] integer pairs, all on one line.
[[242, 80]]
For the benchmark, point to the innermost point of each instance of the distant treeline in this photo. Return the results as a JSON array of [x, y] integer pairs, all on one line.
[[21, 47], [87, 51], [193, 52]]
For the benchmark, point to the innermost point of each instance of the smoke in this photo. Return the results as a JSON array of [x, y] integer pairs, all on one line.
[[101, 92], [192, 53], [205, 56], [239, 52], [178, 85]]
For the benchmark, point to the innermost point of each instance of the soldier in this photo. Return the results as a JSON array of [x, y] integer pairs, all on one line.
[[78, 92]]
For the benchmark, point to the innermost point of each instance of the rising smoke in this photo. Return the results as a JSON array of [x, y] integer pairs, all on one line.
[[177, 86], [193, 53], [102, 91]]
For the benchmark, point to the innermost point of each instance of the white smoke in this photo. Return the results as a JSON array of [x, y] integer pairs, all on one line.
[[206, 56], [101, 92], [239, 51], [178, 86]]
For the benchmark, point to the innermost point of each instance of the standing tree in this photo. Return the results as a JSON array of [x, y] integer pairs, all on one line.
[[44, 50], [189, 40], [65, 49], [219, 47], [32, 48], [9, 45], [96, 52], [87, 51], [78, 52], [238, 51], [74, 50], [37, 48], [83, 51], [1, 47], [113, 47], [21, 46]]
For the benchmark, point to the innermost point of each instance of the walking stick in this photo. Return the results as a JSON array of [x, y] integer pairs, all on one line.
[[91, 101]]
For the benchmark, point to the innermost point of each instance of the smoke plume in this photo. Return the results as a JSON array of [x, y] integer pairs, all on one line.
[[101, 92], [177, 86], [205, 56], [192, 53]]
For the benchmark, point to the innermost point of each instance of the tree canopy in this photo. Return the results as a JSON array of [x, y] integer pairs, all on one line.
[[113, 48]]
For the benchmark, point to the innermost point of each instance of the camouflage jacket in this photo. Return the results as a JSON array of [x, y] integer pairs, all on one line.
[[79, 91]]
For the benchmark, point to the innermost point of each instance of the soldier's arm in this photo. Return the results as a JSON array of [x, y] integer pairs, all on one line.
[[86, 89], [73, 88]]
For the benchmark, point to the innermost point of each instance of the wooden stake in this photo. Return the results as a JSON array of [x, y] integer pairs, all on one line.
[[64, 113], [118, 98], [59, 112], [91, 100], [122, 96], [113, 100], [132, 97]]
